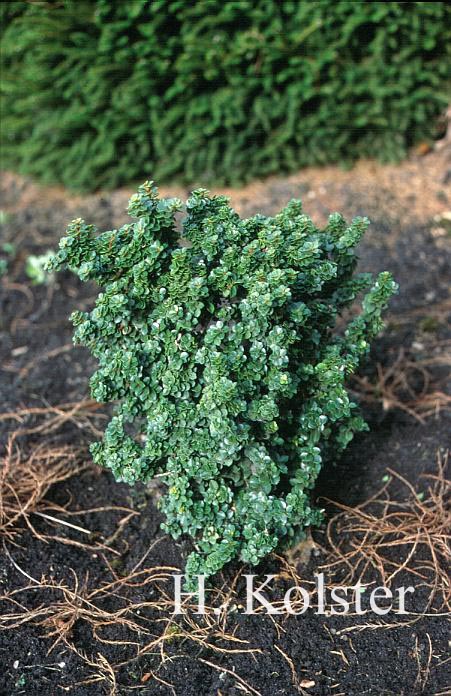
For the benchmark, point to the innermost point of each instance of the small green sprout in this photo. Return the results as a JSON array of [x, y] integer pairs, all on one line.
[[35, 268]]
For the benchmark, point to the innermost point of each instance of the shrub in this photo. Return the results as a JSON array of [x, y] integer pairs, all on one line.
[[99, 93], [220, 351]]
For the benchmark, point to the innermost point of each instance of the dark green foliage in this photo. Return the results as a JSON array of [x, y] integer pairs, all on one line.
[[221, 354], [99, 93]]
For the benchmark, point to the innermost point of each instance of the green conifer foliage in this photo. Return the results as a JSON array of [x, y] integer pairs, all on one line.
[[220, 350], [98, 93]]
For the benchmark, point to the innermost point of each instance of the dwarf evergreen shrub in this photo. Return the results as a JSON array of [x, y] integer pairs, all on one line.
[[97, 93], [220, 350]]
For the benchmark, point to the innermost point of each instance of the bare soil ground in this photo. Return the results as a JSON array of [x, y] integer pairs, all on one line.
[[85, 586]]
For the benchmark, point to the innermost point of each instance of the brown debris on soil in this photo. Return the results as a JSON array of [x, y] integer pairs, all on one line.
[[81, 413], [25, 478], [406, 384], [361, 539], [120, 621]]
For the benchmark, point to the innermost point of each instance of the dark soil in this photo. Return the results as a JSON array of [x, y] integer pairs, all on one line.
[[390, 655]]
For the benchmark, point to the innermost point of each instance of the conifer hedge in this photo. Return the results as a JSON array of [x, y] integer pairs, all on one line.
[[97, 93]]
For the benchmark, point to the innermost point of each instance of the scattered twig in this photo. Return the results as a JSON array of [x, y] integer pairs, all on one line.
[[360, 539], [407, 385]]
